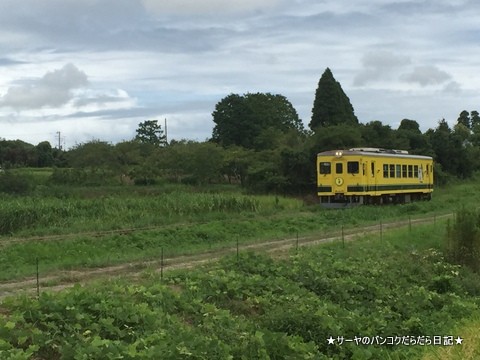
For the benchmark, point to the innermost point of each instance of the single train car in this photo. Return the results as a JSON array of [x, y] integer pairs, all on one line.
[[372, 176]]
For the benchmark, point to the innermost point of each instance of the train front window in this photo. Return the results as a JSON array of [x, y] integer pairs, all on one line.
[[325, 168], [352, 167], [339, 168]]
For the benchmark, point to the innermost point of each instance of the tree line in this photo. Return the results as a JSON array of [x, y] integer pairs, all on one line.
[[258, 142]]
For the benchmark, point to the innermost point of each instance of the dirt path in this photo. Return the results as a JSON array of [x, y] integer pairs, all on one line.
[[64, 279]]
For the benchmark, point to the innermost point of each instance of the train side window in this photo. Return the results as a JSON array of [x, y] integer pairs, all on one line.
[[415, 171], [325, 168], [385, 170], [372, 165], [339, 168], [398, 171], [392, 170], [410, 171], [404, 171], [352, 167]]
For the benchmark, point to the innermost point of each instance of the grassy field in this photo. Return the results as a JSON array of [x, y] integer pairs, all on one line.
[[257, 307], [69, 228]]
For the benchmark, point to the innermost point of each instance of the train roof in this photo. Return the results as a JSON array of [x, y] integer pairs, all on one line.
[[375, 152]]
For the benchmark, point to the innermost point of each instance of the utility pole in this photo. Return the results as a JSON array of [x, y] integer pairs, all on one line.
[[166, 138], [59, 141]]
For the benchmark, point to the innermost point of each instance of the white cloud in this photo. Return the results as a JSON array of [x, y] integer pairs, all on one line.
[[452, 87], [54, 89], [426, 75], [380, 65], [178, 58], [192, 7]]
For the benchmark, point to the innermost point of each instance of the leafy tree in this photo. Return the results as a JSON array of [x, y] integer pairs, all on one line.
[[331, 105], [136, 159], [205, 162], [464, 119], [17, 153], [192, 162], [265, 174], [44, 154], [440, 139], [409, 125], [93, 155], [452, 151], [475, 119], [298, 168], [150, 132], [464, 160], [59, 158], [340, 136], [254, 121], [475, 122], [236, 162], [375, 134], [409, 137]]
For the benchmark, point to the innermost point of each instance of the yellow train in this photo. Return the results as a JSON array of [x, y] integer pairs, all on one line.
[[372, 176]]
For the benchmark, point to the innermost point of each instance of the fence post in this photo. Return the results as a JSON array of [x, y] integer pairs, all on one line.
[[38, 279], [161, 264], [381, 230], [237, 251]]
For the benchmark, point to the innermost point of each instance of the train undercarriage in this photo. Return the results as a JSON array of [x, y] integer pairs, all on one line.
[[341, 200]]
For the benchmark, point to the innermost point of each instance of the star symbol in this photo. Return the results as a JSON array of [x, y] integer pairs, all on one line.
[[458, 340], [331, 340]]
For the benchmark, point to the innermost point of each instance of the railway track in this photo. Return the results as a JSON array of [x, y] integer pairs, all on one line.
[[64, 279]]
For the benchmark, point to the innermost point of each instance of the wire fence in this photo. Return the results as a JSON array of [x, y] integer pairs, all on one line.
[[341, 234]]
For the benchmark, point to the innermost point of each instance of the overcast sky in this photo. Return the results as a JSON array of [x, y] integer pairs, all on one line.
[[94, 69]]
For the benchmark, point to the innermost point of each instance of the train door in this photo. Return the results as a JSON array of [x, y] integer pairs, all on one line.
[[427, 173], [373, 177], [339, 177]]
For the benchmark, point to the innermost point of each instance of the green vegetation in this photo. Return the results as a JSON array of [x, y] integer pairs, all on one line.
[[331, 105], [464, 238], [258, 142], [100, 204], [255, 121], [102, 226], [256, 307]]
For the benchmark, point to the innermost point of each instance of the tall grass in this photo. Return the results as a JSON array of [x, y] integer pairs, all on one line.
[[463, 238], [26, 213]]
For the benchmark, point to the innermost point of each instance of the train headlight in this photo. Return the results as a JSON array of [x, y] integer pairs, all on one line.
[[338, 153]]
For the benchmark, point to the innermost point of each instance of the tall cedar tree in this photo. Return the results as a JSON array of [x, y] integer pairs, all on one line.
[[331, 106]]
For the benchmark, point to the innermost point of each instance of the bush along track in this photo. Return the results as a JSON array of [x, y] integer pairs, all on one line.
[[251, 306]]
